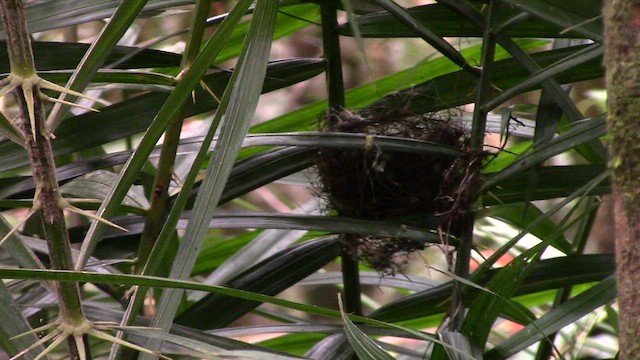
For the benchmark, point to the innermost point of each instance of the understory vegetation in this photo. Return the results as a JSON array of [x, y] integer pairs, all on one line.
[[293, 179]]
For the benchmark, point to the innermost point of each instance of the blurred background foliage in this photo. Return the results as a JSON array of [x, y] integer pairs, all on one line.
[[243, 208]]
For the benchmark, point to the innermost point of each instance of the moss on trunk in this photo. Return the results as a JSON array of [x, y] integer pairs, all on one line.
[[622, 60]]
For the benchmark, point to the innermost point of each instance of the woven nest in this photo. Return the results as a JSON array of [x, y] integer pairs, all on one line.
[[373, 184]]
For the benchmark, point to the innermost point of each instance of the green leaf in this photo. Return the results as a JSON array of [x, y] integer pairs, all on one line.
[[169, 110], [408, 282], [64, 56], [399, 85], [240, 103], [289, 20], [459, 342], [8, 129], [125, 79], [97, 184], [14, 324], [521, 216], [555, 182], [484, 310], [458, 88], [97, 311], [554, 320], [446, 23], [365, 348], [574, 60], [200, 349], [160, 282], [422, 30], [586, 131], [49, 15], [96, 56], [269, 277], [546, 274], [135, 115], [582, 17], [16, 248]]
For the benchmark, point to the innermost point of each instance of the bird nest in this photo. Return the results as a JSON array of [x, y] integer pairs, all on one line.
[[372, 184]]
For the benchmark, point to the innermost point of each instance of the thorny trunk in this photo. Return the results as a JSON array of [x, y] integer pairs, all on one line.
[[47, 197], [622, 29]]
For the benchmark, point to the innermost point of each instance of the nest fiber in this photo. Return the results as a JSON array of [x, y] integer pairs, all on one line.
[[373, 184]]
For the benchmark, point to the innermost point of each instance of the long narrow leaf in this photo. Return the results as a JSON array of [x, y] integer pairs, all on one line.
[[269, 277], [486, 308], [160, 282], [584, 19], [424, 32], [556, 319], [447, 23], [56, 14], [66, 55], [242, 102], [96, 56], [547, 274], [365, 348], [589, 130], [167, 113], [14, 324], [592, 52]]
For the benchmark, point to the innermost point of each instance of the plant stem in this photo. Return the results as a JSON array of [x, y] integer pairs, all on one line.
[[47, 197], [155, 218], [351, 277], [478, 130], [18, 41], [335, 89], [331, 47], [160, 191]]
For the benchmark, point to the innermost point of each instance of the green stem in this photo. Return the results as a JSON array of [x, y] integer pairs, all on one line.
[[478, 130], [196, 34], [335, 89], [160, 191], [18, 40], [155, 219], [351, 277], [479, 126], [463, 258], [331, 46]]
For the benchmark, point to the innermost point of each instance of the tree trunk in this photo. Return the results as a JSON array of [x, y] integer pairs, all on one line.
[[622, 60]]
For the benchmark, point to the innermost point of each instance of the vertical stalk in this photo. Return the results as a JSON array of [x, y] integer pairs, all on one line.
[[47, 197], [350, 277], [160, 191], [479, 126], [331, 47], [478, 130], [18, 41], [155, 219], [335, 89]]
